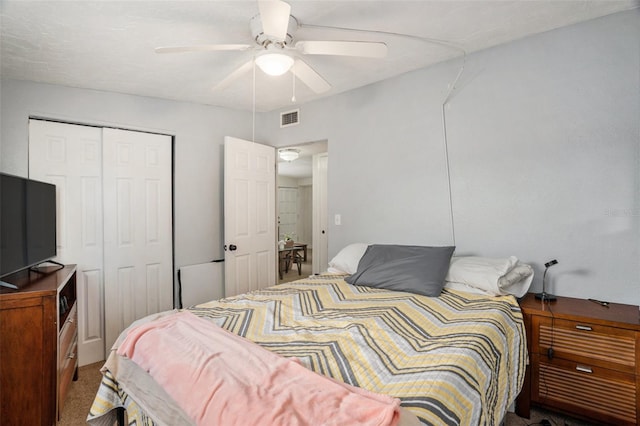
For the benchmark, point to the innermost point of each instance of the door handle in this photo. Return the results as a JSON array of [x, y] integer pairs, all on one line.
[[233, 247]]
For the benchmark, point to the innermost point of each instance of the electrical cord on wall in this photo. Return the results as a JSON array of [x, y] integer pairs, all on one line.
[[452, 88], [446, 146]]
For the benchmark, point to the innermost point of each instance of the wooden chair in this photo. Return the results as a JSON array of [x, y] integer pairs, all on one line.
[[296, 258], [288, 257]]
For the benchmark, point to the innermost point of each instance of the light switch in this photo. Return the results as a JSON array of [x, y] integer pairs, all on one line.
[[337, 219]]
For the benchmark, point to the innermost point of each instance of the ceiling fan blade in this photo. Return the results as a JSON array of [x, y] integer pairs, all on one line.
[[308, 76], [275, 18], [367, 49], [234, 76], [201, 48]]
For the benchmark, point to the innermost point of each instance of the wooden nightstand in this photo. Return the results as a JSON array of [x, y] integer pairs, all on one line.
[[593, 368]]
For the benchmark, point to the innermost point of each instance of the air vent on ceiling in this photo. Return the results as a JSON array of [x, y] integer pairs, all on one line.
[[290, 118]]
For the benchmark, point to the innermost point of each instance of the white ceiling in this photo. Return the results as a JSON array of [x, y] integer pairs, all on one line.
[[302, 167], [109, 45]]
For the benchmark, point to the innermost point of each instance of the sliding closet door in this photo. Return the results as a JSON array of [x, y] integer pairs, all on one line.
[[114, 193], [70, 157], [138, 244]]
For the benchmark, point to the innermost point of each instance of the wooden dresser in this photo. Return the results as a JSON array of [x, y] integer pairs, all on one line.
[[38, 345], [584, 359]]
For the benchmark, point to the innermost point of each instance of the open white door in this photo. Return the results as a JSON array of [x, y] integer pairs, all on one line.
[[249, 216]]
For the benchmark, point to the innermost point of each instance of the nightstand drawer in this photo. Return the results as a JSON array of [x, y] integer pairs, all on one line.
[[609, 347], [601, 394]]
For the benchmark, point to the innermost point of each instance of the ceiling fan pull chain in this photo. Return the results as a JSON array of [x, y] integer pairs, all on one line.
[[293, 74]]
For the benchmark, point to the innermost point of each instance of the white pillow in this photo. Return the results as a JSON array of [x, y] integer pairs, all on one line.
[[347, 259], [493, 276], [467, 288]]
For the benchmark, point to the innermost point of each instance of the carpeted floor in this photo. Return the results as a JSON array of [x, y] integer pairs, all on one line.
[[81, 395], [538, 415]]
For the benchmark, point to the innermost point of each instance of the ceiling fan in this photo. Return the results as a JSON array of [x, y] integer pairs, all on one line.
[[273, 30]]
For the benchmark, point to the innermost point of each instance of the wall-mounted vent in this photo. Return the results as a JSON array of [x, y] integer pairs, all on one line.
[[290, 118]]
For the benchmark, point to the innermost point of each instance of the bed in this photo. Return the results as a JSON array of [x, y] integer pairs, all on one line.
[[455, 359]]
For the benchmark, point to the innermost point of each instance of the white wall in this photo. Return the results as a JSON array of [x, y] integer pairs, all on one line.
[[198, 132], [544, 146]]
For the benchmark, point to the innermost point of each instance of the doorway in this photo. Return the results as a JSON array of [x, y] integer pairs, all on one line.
[[295, 212]]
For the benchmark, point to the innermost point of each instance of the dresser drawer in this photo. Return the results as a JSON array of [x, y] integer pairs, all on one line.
[[597, 345], [68, 333], [67, 372], [67, 356], [596, 392]]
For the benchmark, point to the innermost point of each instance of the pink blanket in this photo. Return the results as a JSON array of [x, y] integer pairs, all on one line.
[[219, 378]]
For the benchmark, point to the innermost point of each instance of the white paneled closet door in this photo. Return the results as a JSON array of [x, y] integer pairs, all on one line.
[[138, 255], [70, 157], [114, 220]]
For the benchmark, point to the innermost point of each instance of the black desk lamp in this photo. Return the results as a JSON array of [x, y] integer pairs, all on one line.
[[544, 295]]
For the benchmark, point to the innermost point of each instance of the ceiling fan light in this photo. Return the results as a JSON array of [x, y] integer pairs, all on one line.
[[274, 63], [289, 154]]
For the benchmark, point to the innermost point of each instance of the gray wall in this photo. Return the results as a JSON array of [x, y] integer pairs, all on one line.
[[543, 141], [198, 132]]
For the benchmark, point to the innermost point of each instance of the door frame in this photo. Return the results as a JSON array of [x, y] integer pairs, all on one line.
[[316, 230], [320, 212]]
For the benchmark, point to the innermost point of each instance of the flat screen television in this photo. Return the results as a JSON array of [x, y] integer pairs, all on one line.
[[27, 223]]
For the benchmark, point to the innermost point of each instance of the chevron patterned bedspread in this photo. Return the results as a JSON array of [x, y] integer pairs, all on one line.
[[457, 359]]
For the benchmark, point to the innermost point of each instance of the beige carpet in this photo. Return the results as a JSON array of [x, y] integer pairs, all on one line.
[[538, 414], [81, 395]]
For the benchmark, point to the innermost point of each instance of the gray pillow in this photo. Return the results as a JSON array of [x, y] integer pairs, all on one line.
[[415, 269]]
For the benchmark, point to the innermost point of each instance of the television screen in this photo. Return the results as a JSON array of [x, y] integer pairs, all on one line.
[[27, 223], [13, 220]]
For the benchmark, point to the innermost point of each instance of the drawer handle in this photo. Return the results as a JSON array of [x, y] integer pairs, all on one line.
[[584, 369], [584, 327]]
